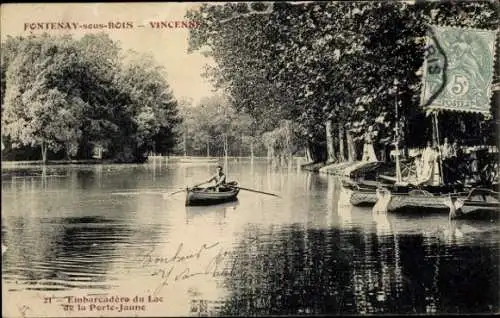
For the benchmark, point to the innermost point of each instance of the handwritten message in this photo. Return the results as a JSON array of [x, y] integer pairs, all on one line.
[[184, 262], [184, 265]]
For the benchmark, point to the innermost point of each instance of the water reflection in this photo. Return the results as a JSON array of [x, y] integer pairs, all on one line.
[[309, 252], [356, 273], [217, 212], [58, 254]]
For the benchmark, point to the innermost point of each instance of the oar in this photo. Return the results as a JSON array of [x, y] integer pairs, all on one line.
[[165, 195], [136, 193], [252, 190]]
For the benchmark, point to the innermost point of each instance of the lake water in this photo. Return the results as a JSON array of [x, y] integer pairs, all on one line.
[[79, 238]]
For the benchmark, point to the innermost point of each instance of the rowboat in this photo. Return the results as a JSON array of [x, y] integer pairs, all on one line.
[[208, 196], [479, 203]]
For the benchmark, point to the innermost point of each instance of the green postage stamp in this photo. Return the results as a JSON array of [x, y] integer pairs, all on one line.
[[458, 69]]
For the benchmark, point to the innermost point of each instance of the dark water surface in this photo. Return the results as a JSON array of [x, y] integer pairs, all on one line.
[[79, 230]]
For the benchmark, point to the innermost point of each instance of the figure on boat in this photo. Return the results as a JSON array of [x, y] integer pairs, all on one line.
[[449, 154], [429, 166], [220, 192], [219, 178], [368, 149]]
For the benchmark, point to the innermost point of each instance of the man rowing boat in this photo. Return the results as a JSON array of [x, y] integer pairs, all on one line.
[[219, 178]]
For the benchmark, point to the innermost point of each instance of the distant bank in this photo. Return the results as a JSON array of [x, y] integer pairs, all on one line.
[[7, 164], [150, 159]]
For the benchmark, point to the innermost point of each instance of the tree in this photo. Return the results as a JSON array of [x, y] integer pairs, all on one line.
[[319, 64], [152, 106], [213, 126], [34, 111], [76, 95]]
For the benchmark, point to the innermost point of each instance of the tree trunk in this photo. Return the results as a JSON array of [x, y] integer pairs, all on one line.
[[273, 159], [308, 154], [251, 149], [208, 148], [289, 145], [329, 142], [225, 146], [44, 152], [241, 146], [341, 144], [351, 149], [184, 145], [68, 150]]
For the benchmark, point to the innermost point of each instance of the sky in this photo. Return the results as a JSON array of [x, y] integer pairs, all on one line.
[[168, 45]]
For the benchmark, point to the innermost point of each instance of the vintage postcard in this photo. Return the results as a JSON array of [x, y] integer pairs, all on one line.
[[250, 158]]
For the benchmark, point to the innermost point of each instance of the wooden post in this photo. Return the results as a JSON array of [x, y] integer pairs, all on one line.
[[436, 131]]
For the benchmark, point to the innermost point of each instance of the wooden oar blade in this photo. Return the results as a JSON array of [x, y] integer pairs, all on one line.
[[139, 192], [257, 191], [166, 195]]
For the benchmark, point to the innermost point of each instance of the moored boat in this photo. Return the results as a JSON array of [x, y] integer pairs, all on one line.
[[479, 203], [363, 198], [413, 201], [208, 196], [367, 193], [362, 193]]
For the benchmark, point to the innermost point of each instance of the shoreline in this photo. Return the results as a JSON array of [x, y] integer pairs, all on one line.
[[7, 164], [337, 168], [151, 159]]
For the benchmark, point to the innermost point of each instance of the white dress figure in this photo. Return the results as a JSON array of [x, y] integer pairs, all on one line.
[[430, 166], [418, 166], [368, 150], [436, 175]]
